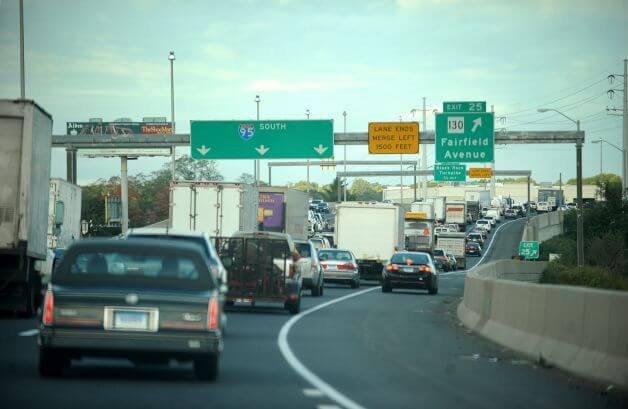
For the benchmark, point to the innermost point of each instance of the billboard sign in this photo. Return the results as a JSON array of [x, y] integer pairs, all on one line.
[[271, 211], [118, 128]]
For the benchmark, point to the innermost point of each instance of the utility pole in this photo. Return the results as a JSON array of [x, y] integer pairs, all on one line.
[[22, 79], [625, 129], [424, 157], [579, 227], [344, 115], [256, 168], [492, 188], [171, 58], [624, 115], [307, 115]]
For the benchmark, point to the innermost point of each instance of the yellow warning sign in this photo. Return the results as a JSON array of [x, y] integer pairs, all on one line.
[[480, 173], [393, 137]]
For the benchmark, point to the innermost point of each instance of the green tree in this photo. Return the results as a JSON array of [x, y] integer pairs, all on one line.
[[246, 178], [361, 189], [598, 179], [191, 169]]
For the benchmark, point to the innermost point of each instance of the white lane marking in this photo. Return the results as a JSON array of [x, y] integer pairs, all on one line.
[[313, 393], [28, 333], [490, 244], [300, 369], [328, 407]]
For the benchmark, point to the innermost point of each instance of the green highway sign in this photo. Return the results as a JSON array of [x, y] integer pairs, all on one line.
[[529, 250], [450, 172], [465, 137], [464, 106], [272, 139]]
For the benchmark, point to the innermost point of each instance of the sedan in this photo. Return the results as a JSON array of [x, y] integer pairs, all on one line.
[[473, 248], [441, 260], [410, 270], [144, 300], [339, 266]]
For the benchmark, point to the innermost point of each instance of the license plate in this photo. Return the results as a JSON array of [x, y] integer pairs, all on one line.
[[135, 320], [408, 270]]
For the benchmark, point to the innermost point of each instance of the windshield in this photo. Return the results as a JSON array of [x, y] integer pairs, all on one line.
[[410, 258], [334, 255], [200, 241], [439, 252], [417, 225]]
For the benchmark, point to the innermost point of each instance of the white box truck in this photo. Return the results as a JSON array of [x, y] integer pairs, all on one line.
[[216, 208], [453, 243], [26, 135], [439, 207], [284, 210], [456, 212], [372, 232], [422, 210], [64, 214]]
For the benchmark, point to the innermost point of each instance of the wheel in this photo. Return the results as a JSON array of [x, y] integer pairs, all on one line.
[[320, 291], [354, 284], [294, 307], [357, 283], [386, 288], [51, 363], [32, 289], [316, 291], [433, 289], [206, 368]]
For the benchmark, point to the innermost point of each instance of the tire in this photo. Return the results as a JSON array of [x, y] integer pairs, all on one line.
[[322, 287], [206, 368], [353, 284], [294, 307], [51, 363], [386, 288], [433, 289], [316, 291]]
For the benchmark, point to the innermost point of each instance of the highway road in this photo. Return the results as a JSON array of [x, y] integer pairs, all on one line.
[[349, 348]]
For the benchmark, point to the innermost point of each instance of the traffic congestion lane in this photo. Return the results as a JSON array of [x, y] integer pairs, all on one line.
[[408, 349], [253, 372]]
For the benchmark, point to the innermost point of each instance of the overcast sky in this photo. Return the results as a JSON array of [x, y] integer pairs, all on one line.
[[375, 59]]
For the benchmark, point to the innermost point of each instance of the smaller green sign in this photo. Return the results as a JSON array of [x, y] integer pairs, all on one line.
[[450, 172], [529, 250], [464, 106]]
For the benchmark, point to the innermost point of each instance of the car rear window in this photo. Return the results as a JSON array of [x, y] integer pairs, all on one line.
[[405, 258], [132, 269], [303, 249], [334, 255], [187, 239], [439, 252]]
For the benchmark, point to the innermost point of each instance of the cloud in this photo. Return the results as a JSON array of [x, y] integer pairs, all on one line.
[[321, 84], [219, 51]]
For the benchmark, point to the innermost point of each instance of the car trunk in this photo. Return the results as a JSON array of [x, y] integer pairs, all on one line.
[[121, 309]]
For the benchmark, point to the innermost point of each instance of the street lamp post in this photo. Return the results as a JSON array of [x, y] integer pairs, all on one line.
[[171, 58], [600, 141], [344, 127], [307, 115], [579, 227], [256, 169]]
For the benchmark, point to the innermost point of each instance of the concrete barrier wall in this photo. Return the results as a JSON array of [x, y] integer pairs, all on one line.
[[544, 226], [578, 329]]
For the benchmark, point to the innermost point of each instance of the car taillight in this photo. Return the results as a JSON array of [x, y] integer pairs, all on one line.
[[212, 314], [49, 303], [425, 269], [346, 266], [392, 267]]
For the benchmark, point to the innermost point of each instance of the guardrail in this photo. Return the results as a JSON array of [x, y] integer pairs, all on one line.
[[581, 330], [544, 226]]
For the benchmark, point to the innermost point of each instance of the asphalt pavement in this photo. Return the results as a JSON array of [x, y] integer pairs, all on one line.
[[349, 348]]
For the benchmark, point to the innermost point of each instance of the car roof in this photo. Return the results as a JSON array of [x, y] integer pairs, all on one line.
[[165, 231], [412, 252], [140, 245]]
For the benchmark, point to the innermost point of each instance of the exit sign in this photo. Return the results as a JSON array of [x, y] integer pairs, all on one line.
[[464, 106]]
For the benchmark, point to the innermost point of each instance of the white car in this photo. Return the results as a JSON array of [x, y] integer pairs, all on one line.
[[491, 219], [311, 267], [483, 223], [543, 207]]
